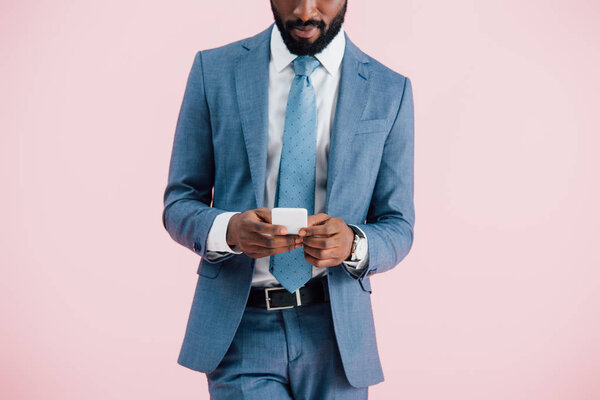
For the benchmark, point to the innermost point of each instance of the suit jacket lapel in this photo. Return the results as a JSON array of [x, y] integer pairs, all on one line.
[[252, 83], [352, 99]]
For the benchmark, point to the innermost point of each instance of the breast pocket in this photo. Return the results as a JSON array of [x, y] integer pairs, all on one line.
[[371, 126]]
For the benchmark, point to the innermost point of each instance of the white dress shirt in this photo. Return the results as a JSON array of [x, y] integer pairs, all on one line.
[[325, 80]]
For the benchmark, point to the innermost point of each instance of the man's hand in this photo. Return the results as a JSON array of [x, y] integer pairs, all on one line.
[[252, 232], [327, 240]]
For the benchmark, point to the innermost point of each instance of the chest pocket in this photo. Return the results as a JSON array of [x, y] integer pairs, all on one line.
[[371, 126]]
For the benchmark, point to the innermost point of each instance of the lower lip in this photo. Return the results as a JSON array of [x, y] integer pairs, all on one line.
[[306, 33]]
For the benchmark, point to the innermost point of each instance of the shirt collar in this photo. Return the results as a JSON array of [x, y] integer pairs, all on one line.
[[330, 57]]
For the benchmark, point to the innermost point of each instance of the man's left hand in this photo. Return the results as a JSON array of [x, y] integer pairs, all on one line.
[[327, 240]]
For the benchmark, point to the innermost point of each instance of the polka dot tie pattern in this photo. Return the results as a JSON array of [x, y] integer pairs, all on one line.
[[296, 180]]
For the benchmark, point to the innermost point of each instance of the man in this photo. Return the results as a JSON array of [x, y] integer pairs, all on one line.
[[296, 116]]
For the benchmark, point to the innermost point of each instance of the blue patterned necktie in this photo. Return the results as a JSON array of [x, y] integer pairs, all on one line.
[[296, 180]]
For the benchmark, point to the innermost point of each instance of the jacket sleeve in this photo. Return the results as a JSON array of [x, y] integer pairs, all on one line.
[[391, 215], [187, 214]]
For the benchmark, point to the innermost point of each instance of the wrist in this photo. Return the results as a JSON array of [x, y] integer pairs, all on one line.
[[229, 237], [352, 237]]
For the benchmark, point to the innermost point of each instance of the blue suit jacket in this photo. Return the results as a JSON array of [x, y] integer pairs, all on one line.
[[221, 143]]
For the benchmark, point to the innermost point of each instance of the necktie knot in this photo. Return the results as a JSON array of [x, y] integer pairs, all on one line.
[[305, 65]]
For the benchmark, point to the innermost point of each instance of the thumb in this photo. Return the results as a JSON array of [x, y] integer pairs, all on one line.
[[317, 219], [264, 214]]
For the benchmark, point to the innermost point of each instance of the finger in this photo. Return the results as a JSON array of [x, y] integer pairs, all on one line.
[[268, 229], [284, 249], [322, 254], [330, 262], [319, 242], [264, 214], [268, 245], [325, 229], [314, 220], [260, 252], [317, 219], [271, 242]]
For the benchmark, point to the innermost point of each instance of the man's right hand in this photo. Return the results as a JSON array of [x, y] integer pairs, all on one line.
[[253, 234]]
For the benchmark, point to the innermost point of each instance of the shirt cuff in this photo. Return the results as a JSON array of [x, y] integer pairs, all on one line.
[[216, 241], [356, 267]]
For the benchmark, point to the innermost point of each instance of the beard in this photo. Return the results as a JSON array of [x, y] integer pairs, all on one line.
[[302, 47]]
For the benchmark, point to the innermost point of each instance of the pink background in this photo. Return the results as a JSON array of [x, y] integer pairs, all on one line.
[[500, 296]]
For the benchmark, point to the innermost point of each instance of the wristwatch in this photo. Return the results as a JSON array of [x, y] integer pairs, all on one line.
[[359, 245]]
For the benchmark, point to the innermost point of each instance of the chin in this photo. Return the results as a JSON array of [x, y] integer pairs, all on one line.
[[305, 41]]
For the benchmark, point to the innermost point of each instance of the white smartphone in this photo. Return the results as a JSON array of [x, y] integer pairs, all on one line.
[[292, 218]]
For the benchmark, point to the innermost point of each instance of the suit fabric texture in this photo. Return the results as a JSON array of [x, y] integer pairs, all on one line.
[[220, 144], [283, 355]]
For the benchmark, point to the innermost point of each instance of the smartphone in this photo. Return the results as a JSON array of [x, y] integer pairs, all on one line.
[[292, 218]]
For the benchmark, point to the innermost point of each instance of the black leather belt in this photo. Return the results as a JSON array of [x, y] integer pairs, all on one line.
[[278, 298]]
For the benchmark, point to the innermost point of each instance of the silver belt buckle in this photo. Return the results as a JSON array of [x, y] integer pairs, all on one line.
[[268, 299]]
